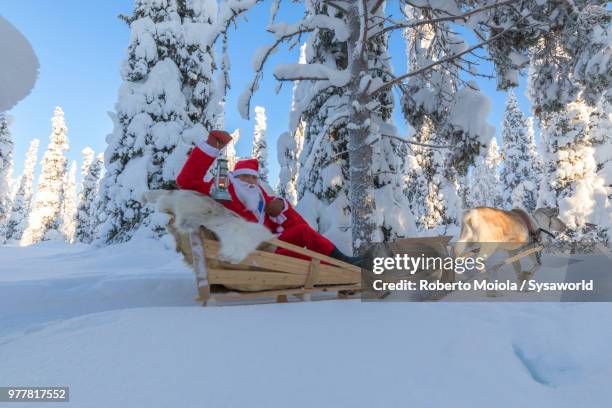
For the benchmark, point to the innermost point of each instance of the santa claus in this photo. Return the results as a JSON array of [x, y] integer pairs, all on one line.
[[251, 202]]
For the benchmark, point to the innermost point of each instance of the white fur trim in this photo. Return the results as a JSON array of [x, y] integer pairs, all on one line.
[[240, 172], [279, 230], [208, 149]]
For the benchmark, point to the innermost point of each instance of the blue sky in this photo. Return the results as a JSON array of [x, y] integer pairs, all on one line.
[[80, 46]]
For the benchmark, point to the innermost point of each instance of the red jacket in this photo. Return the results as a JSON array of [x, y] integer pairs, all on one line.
[[191, 177]]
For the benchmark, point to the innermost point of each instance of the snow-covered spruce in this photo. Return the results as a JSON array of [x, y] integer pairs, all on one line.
[[484, 187], [444, 110], [45, 216], [86, 216], [319, 136], [285, 151], [520, 178], [569, 81], [260, 146], [571, 181], [320, 127], [289, 144], [160, 111], [16, 222], [6, 167], [69, 203]]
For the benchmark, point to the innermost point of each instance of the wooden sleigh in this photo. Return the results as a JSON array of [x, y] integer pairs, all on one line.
[[263, 273]]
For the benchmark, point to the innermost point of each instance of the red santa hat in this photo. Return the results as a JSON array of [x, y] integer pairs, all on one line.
[[247, 166]]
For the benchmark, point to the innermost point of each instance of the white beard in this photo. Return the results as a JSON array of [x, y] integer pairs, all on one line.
[[248, 194]]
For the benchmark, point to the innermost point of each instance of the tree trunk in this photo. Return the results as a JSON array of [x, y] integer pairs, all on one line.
[[360, 153]]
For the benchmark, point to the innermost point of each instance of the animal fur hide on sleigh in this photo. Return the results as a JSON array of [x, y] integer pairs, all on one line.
[[191, 210]]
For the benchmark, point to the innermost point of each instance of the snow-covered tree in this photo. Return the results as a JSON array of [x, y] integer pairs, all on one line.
[[69, 203], [260, 146], [16, 222], [572, 182], [446, 111], [484, 178], [520, 175], [45, 216], [230, 149], [342, 177], [6, 167], [85, 215], [569, 81], [290, 143], [164, 106], [285, 151]]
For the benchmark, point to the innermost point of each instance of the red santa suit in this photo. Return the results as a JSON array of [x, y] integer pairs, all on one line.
[[289, 224]]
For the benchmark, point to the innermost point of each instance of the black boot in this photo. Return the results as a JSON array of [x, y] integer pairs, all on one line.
[[353, 260]]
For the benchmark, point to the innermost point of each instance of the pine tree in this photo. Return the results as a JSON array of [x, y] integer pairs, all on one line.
[[285, 152], [319, 124], [69, 204], [230, 150], [520, 174], [569, 80], [85, 214], [260, 146], [45, 217], [436, 104], [572, 183], [98, 211], [290, 143], [6, 167], [162, 109], [484, 178], [16, 223]]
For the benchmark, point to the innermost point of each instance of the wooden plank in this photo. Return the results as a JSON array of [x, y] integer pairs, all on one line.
[[281, 299], [313, 254], [249, 277], [262, 259], [274, 293], [220, 276], [313, 273], [269, 261]]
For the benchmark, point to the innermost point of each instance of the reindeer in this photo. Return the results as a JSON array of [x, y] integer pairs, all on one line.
[[494, 229]]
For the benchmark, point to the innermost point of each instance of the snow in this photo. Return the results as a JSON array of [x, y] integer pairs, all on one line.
[[295, 72], [18, 67], [470, 111], [119, 326]]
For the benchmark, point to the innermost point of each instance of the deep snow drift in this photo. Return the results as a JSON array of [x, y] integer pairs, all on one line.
[[139, 352]]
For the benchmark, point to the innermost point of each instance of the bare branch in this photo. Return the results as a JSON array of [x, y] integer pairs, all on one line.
[[376, 6], [417, 143], [335, 5], [442, 61], [439, 19], [299, 78], [258, 70]]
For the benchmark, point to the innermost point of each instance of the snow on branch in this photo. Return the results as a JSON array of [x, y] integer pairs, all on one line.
[[229, 10], [313, 72], [285, 32]]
